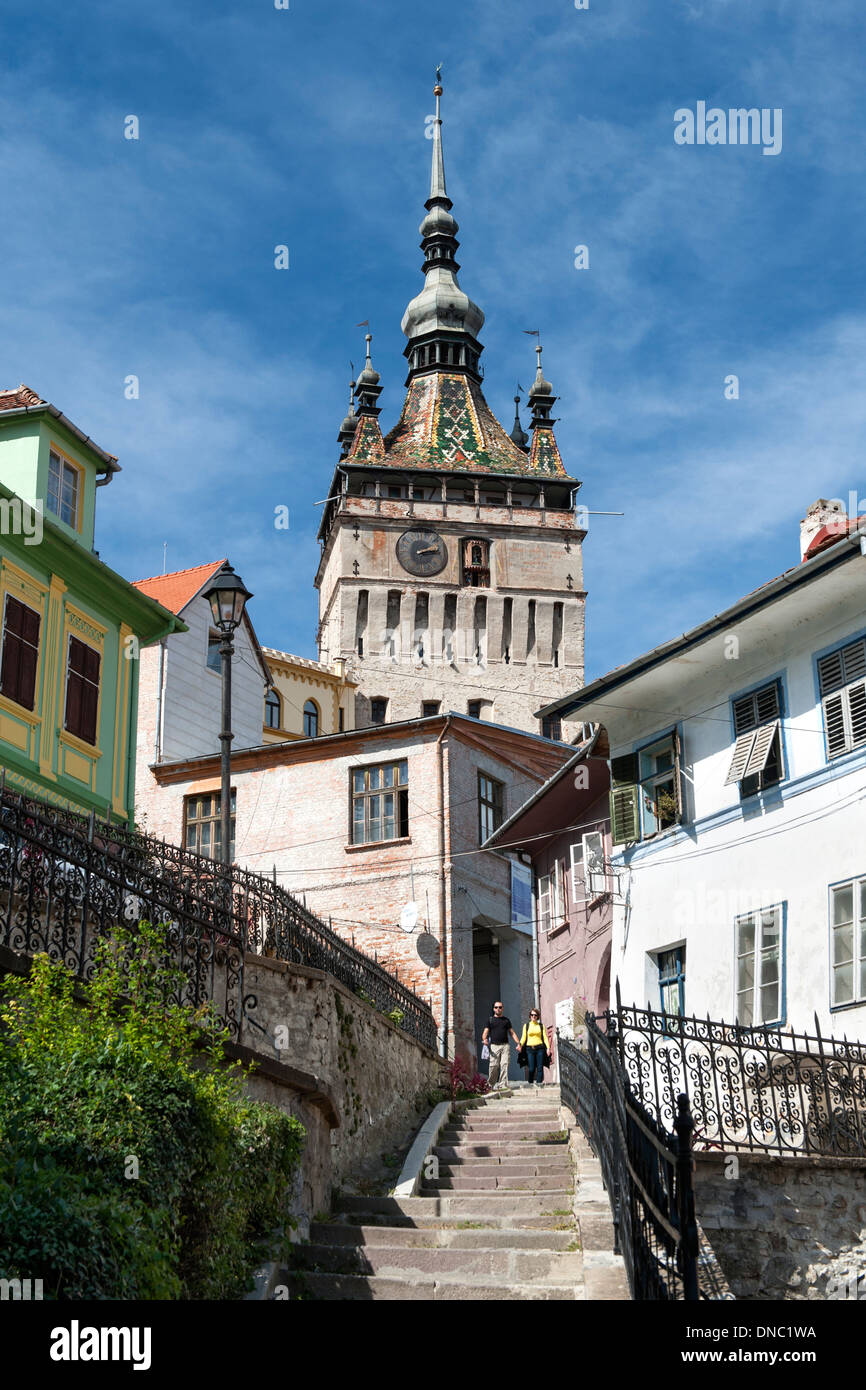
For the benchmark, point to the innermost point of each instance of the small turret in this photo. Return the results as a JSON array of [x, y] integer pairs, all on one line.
[[518, 434], [349, 425], [368, 388]]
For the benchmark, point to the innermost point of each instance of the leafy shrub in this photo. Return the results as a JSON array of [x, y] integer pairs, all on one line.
[[463, 1083], [132, 1163]]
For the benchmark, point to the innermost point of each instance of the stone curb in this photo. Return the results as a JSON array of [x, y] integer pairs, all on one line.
[[412, 1171]]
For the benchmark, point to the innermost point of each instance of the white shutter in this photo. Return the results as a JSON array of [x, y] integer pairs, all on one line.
[[834, 716], [593, 862], [830, 672], [543, 903], [578, 886], [857, 712], [558, 904], [761, 750], [854, 660], [741, 755]]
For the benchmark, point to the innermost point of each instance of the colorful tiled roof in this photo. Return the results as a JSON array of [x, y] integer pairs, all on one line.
[[175, 591], [544, 455], [447, 424], [367, 443]]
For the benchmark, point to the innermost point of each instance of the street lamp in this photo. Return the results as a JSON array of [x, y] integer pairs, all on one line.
[[227, 597]]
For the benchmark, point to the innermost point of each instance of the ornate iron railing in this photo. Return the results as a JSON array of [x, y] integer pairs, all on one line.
[[758, 1089], [647, 1172], [65, 881]]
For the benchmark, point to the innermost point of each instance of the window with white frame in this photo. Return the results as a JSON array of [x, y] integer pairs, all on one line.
[[64, 487], [759, 967], [550, 899], [588, 869], [380, 803], [842, 679], [848, 941], [756, 761]]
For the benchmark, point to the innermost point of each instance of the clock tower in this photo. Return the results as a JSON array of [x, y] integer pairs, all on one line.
[[451, 574]]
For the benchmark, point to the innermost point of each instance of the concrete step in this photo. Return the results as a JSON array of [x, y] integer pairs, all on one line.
[[464, 1207], [480, 1182], [441, 1237], [551, 1220], [414, 1262], [380, 1288], [513, 1112], [451, 1138], [492, 1117], [518, 1168], [524, 1151]]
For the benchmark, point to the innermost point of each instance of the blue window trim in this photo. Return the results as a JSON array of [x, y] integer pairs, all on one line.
[[816, 657], [839, 883], [678, 978], [783, 961], [779, 679]]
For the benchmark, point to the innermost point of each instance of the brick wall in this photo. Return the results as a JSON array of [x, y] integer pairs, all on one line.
[[293, 814]]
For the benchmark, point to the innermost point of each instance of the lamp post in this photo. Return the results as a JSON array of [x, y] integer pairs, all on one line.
[[227, 597]]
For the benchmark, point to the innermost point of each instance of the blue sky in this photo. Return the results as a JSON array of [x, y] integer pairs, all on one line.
[[306, 127]]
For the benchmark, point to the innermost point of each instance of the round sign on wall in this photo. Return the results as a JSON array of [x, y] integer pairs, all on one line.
[[409, 917]]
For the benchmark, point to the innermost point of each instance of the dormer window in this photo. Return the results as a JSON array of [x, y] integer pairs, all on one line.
[[64, 488]]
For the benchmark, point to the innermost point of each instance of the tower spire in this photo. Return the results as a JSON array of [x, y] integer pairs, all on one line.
[[437, 173], [441, 323]]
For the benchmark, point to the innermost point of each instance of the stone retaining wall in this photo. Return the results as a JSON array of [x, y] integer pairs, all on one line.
[[356, 1081], [785, 1228]]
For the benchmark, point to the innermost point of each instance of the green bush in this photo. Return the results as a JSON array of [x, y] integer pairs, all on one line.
[[132, 1164]]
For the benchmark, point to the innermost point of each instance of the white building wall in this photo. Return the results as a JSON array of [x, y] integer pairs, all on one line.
[[687, 886]]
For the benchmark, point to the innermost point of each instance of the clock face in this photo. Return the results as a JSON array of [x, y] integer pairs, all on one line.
[[422, 552]]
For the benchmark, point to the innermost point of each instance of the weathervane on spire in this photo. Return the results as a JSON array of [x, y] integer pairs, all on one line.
[[438, 74]]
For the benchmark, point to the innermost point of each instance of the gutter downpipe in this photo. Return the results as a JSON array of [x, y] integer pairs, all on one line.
[[443, 958], [536, 973], [160, 689]]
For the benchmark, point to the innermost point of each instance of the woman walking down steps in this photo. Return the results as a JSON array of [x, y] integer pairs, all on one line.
[[533, 1049]]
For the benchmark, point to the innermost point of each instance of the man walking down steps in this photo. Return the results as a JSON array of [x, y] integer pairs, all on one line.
[[505, 1208], [496, 1036]]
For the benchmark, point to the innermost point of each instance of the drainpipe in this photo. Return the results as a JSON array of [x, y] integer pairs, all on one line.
[[443, 958], [160, 689], [536, 977]]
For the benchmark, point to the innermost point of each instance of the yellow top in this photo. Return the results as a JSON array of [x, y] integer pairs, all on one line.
[[534, 1035]]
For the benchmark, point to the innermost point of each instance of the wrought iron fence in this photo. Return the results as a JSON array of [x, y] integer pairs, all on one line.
[[65, 881], [757, 1089], [647, 1171]]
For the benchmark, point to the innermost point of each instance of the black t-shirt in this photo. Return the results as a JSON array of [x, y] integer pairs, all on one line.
[[499, 1028]]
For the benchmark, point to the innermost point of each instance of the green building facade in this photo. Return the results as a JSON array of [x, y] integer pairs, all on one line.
[[71, 627]]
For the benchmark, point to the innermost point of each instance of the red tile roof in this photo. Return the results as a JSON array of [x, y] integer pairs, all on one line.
[[14, 397], [175, 591], [831, 533]]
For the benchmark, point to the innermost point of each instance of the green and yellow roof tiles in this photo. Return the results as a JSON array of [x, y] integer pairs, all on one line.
[[446, 423]]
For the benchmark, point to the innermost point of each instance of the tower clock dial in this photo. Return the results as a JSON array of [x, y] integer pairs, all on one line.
[[422, 553]]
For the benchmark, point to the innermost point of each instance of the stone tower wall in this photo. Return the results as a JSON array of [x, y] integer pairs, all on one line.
[[463, 652]]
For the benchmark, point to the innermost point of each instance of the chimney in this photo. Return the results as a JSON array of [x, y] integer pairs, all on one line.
[[825, 522]]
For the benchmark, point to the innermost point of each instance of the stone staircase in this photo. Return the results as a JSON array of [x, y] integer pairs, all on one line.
[[496, 1221]]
